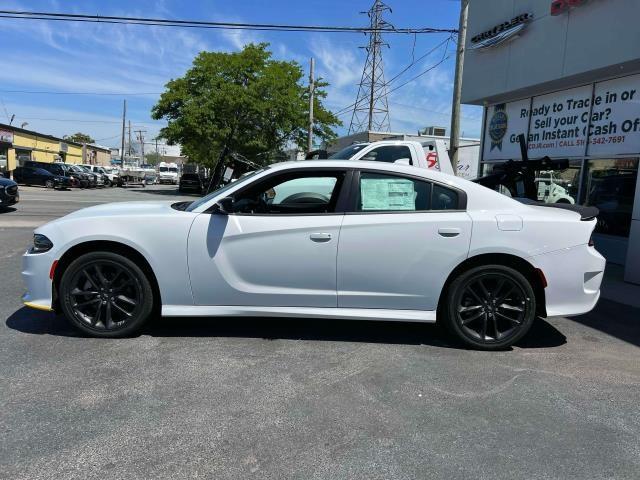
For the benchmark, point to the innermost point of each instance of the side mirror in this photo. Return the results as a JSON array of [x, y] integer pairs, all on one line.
[[403, 161], [224, 206]]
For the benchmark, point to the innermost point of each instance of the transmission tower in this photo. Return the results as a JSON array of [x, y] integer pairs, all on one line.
[[371, 110]]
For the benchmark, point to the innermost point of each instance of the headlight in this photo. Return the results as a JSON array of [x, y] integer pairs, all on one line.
[[41, 244]]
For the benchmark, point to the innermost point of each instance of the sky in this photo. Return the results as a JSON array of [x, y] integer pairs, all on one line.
[[110, 63]]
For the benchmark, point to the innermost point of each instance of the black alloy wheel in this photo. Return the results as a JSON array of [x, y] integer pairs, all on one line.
[[49, 184], [106, 294], [490, 307]]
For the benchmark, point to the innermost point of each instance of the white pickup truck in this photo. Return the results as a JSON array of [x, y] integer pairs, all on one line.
[[428, 154]]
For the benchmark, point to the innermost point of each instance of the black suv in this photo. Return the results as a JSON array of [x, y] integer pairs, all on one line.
[[57, 169], [8, 192], [40, 176], [191, 181]]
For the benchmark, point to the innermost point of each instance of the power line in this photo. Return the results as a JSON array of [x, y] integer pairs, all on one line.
[[120, 94], [75, 120], [162, 22]]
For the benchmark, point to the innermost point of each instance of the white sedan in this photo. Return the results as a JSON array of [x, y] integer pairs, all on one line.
[[323, 239]]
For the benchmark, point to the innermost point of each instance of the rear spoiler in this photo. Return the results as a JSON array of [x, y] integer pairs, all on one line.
[[586, 213]]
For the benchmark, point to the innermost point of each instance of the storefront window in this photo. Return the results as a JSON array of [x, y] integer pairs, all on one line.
[[559, 186], [610, 185], [549, 185], [22, 156]]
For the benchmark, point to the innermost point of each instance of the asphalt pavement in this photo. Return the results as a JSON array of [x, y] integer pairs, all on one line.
[[305, 399]]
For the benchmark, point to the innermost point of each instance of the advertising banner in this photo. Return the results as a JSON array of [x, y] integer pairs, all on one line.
[[596, 121], [615, 120], [559, 123], [504, 123]]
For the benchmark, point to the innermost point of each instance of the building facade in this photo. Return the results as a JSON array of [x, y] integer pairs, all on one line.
[[18, 145], [96, 155], [566, 74]]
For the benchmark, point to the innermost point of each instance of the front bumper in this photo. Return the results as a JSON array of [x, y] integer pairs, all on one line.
[[35, 275], [6, 199], [573, 279]]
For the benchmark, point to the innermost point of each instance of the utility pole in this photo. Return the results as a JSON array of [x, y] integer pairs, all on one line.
[[124, 115], [141, 139], [454, 138], [129, 138], [371, 110], [312, 88]]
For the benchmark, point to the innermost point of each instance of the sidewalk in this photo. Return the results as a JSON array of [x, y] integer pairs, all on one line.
[[615, 288]]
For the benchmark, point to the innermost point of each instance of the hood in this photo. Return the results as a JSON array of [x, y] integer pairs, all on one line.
[[127, 209]]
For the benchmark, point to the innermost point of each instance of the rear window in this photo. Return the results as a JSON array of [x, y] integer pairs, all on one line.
[[190, 176], [347, 153]]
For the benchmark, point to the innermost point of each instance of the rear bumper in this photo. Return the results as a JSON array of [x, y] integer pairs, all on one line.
[[573, 279]]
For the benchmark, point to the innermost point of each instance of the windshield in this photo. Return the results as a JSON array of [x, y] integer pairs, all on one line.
[[173, 169], [215, 193], [163, 169], [347, 153]]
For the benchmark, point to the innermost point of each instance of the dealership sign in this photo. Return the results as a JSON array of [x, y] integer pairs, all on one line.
[[558, 7], [594, 120], [6, 136], [501, 33]]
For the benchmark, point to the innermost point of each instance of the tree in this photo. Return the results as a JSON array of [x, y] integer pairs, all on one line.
[[243, 102], [79, 138], [153, 158]]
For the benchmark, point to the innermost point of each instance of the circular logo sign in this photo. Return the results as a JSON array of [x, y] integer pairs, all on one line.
[[498, 126]]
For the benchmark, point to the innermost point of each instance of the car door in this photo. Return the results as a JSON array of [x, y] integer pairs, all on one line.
[[278, 245], [401, 239]]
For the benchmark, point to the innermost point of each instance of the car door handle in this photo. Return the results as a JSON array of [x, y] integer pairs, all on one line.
[[449, 232], [320, 237]]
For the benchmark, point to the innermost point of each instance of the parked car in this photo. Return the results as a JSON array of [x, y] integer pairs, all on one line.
[[98, 178], [87, 180], [9, 194], [322, 239], [108, 179], [56, 168], [191, 182], [40, 176]]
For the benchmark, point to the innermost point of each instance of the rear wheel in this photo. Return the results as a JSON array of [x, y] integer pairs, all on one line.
[[106, 295], [490, 307]]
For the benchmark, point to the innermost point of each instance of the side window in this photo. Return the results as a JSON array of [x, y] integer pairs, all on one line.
[[292, 193], [388, 153], [444, 198], [380, 193]]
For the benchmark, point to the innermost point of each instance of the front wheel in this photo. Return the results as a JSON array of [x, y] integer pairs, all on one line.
[[490, 307], [106, 294], [49, 184]]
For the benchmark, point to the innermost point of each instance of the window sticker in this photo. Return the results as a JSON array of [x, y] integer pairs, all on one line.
[[387, 194]]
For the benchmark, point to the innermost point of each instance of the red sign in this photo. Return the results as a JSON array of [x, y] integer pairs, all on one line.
[[558, 7], [432, 159]]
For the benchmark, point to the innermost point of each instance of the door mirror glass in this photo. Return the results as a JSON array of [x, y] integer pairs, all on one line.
[[224, 206]]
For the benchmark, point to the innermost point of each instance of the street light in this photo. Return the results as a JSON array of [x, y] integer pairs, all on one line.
[[24, 124]]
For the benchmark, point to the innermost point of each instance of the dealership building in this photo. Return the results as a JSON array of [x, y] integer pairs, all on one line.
[[566, 74]]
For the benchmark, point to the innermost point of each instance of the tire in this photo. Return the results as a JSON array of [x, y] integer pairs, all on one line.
[[49, 184], [489, 307], [108, 183], [100, 308]]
